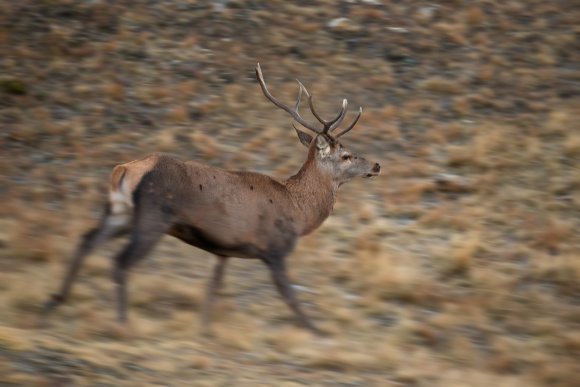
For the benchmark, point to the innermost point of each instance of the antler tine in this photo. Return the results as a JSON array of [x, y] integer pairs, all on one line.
[[320, 119], [327, 124], [340, 117], [293, 112], [297, 105], [340, 113], [351, 125]]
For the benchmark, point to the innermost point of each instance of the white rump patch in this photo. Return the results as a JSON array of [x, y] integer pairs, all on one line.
[[120, 202]]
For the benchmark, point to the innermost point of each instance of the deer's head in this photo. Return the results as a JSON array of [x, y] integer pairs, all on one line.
[[324, 146]]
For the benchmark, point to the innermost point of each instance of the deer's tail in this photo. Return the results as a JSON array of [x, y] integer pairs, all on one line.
[[120, 201], [117, 178]]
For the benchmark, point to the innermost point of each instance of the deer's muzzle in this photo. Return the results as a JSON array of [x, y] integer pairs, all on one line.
[[375, 171]]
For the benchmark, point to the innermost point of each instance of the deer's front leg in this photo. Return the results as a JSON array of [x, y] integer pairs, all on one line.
[[213, 287], [278, 270]]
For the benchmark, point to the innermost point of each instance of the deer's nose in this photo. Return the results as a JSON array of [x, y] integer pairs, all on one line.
[[376, 168]]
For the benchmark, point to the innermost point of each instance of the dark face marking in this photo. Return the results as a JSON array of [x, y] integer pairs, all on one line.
[[201, 187]]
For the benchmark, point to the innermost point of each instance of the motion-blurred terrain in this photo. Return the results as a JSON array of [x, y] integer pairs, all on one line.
[[458, 266]]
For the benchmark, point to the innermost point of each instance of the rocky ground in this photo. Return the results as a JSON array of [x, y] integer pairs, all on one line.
[[458, 266]]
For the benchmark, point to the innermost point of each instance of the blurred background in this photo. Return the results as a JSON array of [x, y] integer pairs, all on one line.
[[458, 266]]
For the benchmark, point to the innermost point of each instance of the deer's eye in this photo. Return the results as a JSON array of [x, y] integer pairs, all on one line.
[[346, 157]]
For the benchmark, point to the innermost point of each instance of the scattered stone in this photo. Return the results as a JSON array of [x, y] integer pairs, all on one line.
[[343, 25], [447, 182], [427, 13], [400, 30]]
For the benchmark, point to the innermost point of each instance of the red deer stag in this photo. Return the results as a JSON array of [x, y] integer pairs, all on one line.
[[228, 213]]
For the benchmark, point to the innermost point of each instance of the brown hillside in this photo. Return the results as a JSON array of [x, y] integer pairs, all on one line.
[[458, 266]]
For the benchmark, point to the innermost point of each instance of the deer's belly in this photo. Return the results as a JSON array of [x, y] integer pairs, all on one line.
[[263, 246]]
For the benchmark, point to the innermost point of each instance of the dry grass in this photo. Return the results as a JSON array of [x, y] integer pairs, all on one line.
[[416, 282], [441, 85]]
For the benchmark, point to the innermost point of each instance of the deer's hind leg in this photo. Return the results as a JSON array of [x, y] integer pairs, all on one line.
[[149, 225], [112, 225]]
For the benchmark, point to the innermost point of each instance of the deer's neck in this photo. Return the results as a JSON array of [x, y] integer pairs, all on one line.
[[312, 191]]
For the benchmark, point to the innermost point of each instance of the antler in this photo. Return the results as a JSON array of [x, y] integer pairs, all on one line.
[[293, 112], [331, 125], [343, 132], [328, 126]]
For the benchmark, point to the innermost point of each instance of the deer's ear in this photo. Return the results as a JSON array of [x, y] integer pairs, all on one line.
[[323, 146], [304, 137]]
